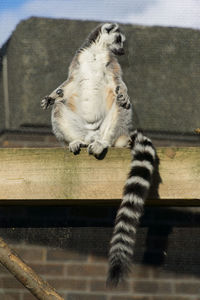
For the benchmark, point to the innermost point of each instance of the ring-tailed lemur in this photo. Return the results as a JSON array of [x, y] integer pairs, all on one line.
[[92, 108]]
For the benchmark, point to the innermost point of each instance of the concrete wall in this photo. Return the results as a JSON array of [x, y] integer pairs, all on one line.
[[161, 69]]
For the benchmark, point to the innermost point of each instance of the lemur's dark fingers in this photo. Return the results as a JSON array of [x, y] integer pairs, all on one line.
[[123, 101], [127, 103], [46, 102], [43, 104], [117, 89]]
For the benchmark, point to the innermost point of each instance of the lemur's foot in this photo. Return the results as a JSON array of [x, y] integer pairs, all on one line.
[[46, 102], [75, 146], [97, 147], [122, 98]]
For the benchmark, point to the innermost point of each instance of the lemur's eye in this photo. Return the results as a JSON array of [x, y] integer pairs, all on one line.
[[118, 39]]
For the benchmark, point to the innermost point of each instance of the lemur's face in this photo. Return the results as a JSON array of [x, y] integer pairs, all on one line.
[[113, 38]]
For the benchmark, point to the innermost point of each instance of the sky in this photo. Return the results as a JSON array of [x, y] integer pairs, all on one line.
[[178, 13]]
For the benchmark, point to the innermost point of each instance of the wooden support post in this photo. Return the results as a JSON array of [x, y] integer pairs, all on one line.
[[35, 284]]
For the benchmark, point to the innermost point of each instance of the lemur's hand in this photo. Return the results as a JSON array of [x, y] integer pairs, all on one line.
[[122, 98], [46, 102]]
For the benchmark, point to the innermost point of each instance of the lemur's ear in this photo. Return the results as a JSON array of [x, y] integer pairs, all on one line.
[[108, 27]]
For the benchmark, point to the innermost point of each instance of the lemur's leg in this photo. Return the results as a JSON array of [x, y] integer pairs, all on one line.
[[68, 126], [108, 131], [114, 130]]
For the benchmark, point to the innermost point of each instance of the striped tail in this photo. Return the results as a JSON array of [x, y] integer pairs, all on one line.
[[135, 193]]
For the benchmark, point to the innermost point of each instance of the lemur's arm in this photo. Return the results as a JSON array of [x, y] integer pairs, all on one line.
[[58, 93], [122, 97]]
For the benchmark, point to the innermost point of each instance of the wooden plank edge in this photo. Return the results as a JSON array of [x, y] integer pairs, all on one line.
[[99, 202]]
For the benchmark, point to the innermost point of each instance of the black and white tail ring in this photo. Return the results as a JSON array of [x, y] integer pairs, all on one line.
[[135, 193]]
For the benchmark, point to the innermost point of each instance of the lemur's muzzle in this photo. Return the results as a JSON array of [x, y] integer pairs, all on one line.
[[119, 51]]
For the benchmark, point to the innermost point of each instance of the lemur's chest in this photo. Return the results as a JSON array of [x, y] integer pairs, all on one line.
[[93, 72], [95, 86]]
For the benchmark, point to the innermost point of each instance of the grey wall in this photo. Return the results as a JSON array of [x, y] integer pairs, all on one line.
[[161, 69]]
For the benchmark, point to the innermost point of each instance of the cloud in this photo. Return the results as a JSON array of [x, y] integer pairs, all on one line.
[[180, 13], [84, 9], [183, 13]]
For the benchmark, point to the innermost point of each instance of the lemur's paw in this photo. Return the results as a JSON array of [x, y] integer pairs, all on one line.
[[46, 102], [122, 98], [96, 148], [75, 146]]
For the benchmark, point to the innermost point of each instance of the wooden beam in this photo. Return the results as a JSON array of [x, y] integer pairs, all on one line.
[[34, 283], [56, 176]]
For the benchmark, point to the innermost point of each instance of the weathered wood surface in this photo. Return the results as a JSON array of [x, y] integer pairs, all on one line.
[[56, 176]]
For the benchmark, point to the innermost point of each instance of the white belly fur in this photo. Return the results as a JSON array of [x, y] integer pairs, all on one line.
[[92, 87]]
